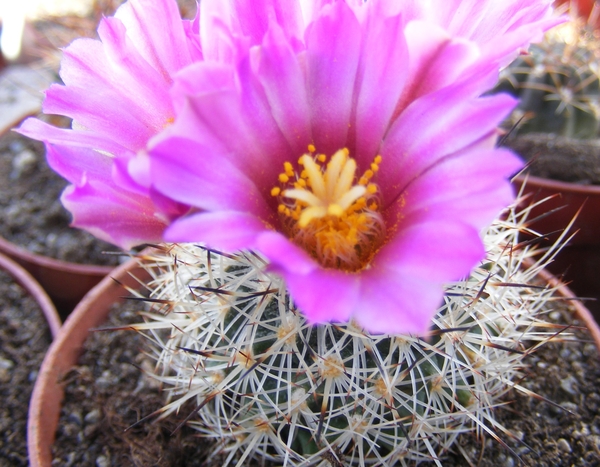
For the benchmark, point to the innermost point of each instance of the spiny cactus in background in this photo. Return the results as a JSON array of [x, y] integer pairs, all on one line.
[[266, 384], [558, 83]]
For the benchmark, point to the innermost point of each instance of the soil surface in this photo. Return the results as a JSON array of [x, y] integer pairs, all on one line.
[[559, 158], [30, 209], [106, 393], [544, 435], [24, 339]]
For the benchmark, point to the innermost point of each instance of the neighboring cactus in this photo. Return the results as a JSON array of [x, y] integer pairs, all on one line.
[[558, 84], [266, 384]]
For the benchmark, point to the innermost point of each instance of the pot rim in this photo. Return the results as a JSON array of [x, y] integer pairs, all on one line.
[[63, 353], [26, 280], [12, 250], [556, 185]]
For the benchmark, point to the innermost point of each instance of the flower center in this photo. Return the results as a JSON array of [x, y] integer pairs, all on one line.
[[330, 213]]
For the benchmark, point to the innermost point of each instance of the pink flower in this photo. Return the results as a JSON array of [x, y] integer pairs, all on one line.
[[348, 143], [116, 90]]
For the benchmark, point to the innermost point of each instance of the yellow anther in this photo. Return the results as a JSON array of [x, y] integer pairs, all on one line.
[[283, 178], [275, 191], [374, 167], [288, 169], [371, 188], [304, 174], [368, 174], [281, 209], [311, 148], [321, 157], [378, 160], [346, 151], [300, 183]]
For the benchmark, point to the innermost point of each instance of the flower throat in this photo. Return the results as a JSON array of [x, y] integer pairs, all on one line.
[[330, 213]]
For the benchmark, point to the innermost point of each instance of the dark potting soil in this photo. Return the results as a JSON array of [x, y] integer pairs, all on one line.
[[565, 373], [31, 215], [559, 158], [24, 339], [106, 394]]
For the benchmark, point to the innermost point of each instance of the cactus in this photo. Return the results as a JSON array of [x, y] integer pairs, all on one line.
[[266, 384], [558, 84]]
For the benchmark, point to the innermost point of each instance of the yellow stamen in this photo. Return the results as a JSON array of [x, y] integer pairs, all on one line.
[[328, 212]]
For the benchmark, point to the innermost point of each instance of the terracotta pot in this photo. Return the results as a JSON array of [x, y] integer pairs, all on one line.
[[48, 392], [25, 280], [66, 283], [566, 199], [93, 310], [578, 262]]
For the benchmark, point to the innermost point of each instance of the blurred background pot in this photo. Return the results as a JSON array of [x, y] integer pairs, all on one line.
[[66, 283], [25, 280], [578, 262], [28, 322]]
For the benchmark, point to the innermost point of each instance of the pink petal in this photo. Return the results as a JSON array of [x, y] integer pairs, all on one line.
[[436, 60], [332, 56], [393, 303], [77, 164], [382, 72], [438, 250], [323, 295], [196, 175], [225, 230], [113, 214], [434, 127], [485, 20], [39, 130], [284, 85], [217, 31], [213, 110], [474, 188], [110, 212], [256, 16], [157, 32], [284, 255]]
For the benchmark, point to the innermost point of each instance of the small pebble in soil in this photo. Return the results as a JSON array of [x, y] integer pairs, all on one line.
[[569, 384], [563, 445]]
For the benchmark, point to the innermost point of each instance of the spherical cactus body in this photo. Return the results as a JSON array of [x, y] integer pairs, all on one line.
[[264, 383], [558, 84]]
